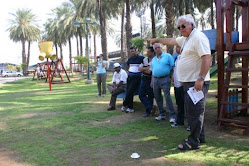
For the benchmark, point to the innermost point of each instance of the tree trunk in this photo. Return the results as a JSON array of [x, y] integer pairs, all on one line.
[[212, 14], [103, 30], [56, 49], [70, 55], [152, 15], [95, 48], [128, 27], [28, 57], [24, 58], [180, 7], [77, 41], [60, 46], [122, 37], [81, 43], [169, 10]]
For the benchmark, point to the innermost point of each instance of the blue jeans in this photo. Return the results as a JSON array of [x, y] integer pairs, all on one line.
[[163, 84], [146, 94]]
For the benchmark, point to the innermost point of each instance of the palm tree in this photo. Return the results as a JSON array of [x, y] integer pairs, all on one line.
[[23, 28]]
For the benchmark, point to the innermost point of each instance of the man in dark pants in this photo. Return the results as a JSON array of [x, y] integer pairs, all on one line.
[[193, 71], [179, 91], [133, 81], [146, 92]]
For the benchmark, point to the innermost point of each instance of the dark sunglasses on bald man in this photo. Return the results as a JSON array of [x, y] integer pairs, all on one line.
[[181, 26]]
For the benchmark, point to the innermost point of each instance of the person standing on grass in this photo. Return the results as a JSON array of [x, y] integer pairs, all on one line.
[[179, 91], [119, 81], [101, 75], [146, 92], [162, 64], [133, 81], [192, 71]]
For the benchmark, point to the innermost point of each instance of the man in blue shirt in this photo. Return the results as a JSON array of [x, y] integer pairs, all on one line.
[[162, 65], [133, 81]]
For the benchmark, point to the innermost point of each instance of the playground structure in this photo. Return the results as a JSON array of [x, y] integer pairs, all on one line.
[[233, 96], [54, 68]]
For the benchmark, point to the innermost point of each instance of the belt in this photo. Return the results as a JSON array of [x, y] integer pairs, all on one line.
[[161, 76], [146, 76]]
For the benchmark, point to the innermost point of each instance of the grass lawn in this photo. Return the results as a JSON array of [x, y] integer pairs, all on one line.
[[70, 126]]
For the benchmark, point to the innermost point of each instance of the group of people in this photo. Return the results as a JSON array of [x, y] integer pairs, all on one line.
[[188, 67]]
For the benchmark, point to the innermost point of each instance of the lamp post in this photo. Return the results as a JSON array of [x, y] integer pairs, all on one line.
[[86, 22]]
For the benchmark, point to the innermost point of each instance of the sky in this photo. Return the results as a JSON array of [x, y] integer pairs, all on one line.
[[12, 52]]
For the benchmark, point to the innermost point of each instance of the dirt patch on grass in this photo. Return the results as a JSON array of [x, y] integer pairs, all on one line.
[[9, 158]]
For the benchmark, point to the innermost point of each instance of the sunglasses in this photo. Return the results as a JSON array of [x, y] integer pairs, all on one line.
[[181, 26]]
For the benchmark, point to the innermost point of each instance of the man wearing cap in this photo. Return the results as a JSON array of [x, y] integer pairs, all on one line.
[[119, 81]]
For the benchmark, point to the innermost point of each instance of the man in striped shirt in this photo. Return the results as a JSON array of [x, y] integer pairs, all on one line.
[[133, 81]]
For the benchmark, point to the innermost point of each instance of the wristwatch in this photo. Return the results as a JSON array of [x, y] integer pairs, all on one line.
[[201, 78]]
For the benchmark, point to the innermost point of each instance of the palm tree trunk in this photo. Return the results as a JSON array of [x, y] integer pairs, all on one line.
[[56, 49], [128, 27], [152, 15], [60, 46], [77, 41], [212, 14], [70, 54], [122, 37], [180, 7], [23, 57], [103, 30], [95, 48], [81, 43], [28, 57], [169, 10]]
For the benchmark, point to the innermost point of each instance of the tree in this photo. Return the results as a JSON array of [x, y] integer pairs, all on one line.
[[23, 28]]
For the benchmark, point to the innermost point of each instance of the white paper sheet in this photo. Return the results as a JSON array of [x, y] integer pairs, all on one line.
[[195, 96]]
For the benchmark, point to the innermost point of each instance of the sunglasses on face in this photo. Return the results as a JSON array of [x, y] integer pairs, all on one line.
[[181, 26]]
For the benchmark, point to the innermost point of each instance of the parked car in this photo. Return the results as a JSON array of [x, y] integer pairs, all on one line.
[[12, 74]]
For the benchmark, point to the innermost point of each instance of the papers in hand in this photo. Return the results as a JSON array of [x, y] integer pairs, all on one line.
[[195, 96]]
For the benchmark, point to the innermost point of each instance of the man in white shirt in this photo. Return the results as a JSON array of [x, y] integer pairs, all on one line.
[[193, 71], [119, 81]]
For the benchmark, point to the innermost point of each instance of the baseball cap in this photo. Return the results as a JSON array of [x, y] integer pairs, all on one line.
[[116, 65]]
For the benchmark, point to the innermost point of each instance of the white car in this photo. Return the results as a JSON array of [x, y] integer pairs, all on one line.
[[12, 74]]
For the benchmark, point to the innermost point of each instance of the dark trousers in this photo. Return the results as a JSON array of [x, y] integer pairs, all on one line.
[[179, 96], [101, 79], [133, 83], [120, 89], [195, 114], [146, 94]]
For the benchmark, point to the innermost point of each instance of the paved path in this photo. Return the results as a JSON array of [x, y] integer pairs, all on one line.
[[10, 79]]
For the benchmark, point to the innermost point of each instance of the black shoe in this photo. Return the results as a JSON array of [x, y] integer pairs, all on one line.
[[111, 109]]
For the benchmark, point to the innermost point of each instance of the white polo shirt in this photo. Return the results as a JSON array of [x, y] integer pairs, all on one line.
[[189, 64], [121, 76]]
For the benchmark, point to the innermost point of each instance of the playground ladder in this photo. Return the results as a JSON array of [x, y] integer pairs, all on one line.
[[236, 50]]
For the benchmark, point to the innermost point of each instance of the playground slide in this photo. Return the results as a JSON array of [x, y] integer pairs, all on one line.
[[214, 69]]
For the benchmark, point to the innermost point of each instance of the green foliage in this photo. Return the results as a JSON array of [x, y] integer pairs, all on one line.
[[138, 42], [81, 60], [11, 68], [18, 68]]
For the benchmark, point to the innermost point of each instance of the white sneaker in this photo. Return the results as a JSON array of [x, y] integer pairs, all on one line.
[[160, 117], [123, 108], [172, 120], [129, 110]]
